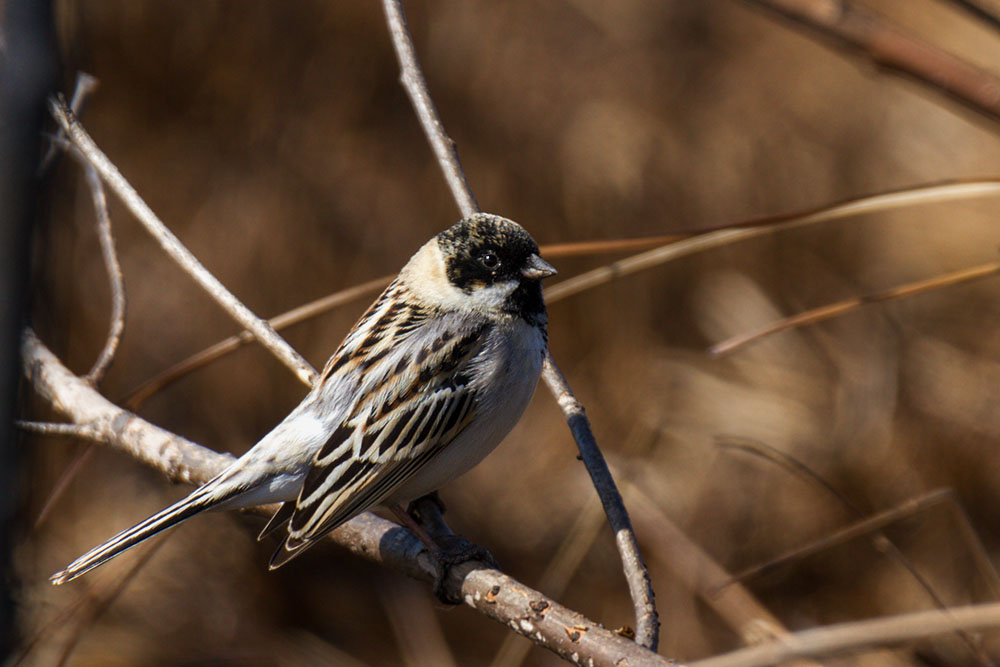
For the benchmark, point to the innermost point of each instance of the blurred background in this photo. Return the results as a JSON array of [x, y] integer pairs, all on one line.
[[276, 142]]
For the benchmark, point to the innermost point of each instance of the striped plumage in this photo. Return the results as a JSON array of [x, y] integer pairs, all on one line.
[[426, 384]]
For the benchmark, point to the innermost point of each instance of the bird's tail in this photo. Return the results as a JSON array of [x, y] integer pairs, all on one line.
[[200, 500]]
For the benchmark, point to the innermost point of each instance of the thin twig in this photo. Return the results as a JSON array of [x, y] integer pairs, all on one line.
[[176, 250], [81, 459], [879, 539], [115, 278], [978, 10], [859, 636], [138, 396], [502, 598], [575, 545], [921, 194], [640, 586], [893, 200], [892, 47], [823, 313], [875, 522], [412, 78], [697, 570], [84, 430], [85, 85]]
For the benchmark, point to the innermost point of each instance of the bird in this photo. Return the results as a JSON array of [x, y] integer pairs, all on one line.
[[433, 376]]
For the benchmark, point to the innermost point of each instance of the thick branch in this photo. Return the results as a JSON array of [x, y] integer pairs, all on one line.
[[524, 610], [261, 330], [892, 47]]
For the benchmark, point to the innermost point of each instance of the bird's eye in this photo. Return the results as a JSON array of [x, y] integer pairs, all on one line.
[[489, 259]]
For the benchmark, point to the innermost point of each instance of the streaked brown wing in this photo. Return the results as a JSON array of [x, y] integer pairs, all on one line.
[[387, 438]]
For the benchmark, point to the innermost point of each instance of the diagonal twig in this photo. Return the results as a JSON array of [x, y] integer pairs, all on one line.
[[823, 313], [261, 330], [922, 194], [859, 636], [879, 539], [135, 398], [640, 586], [978, 10], [884, 43]]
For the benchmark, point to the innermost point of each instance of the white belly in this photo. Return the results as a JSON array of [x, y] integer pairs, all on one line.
[[505, 388]]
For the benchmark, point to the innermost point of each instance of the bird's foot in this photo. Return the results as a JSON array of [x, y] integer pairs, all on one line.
[[451, 551], [424, 518]]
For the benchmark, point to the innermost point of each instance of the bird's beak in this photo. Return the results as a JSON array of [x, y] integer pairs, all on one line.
[[537, 268]]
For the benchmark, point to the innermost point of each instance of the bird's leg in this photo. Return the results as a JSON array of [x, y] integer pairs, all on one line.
[[424, 518], [407, 520]]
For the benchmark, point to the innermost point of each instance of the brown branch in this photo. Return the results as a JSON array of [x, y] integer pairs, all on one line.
[[138, 396], [870, 35], [876, 522], [412, 78], [823, 313], [978, 10], [859, 636], [927, 193], [640, 586], [879, 539], [526, 611], [176, 250]]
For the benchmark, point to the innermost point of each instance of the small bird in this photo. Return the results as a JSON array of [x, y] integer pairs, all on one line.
[[428, 382]]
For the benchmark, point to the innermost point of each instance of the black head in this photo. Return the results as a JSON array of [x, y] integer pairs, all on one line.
[[484, 251]]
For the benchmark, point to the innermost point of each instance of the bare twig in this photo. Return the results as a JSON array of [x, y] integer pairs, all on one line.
[[412, 78], [894, 200], [138, 396], [921, 194], [640, 586], [84, 431], [173, 247], [823, 313], [888, 45], [115, 278], [876, 522], [977, 9], [736, 606], [526, 611], [65, 479], [85, 85], [859, 636], [879, 539], [574, 547]]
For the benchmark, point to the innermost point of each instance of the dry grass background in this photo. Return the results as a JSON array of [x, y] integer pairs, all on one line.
[[275, 141]]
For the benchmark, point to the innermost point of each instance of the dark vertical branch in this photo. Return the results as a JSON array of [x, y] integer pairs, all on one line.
[[27, 74]]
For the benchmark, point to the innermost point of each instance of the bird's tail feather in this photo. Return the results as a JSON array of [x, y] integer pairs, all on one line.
[[196, 502]]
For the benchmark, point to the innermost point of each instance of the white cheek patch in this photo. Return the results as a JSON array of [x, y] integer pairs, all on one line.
[[492, 298]]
